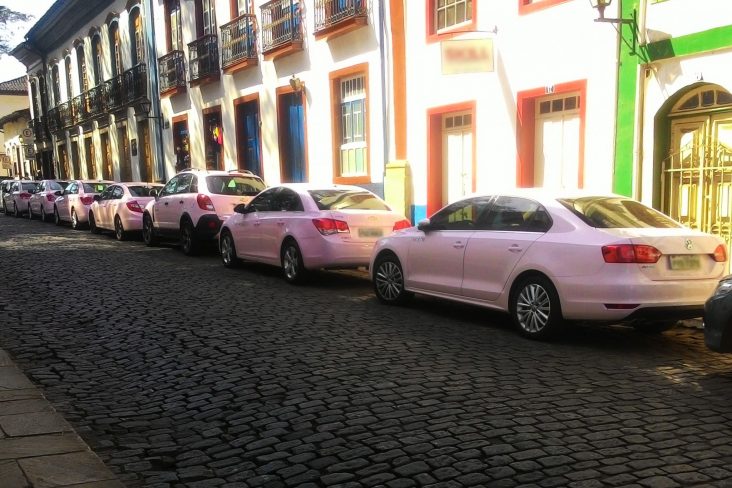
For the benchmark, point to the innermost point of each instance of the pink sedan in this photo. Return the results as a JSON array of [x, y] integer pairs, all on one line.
[[42, 201], [547, 258], [73, 204], [119, 207], [302, 227]]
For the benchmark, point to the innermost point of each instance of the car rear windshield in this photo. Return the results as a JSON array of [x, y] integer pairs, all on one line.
[[57, 185], [28, 186], [95, 187], [143, 191], [234, 185], [347, 199], [617, 213]]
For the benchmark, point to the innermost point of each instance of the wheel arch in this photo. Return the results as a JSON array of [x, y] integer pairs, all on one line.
[[528, 274]]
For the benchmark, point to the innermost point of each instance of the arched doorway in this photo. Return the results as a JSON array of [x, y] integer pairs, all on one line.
[[696, 176]]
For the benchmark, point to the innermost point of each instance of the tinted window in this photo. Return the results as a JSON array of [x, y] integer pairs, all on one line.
[[72, 189], [462, 215], [288, 201], [106, 194], [337, 199], [170, 187], [184, 183], [117, 193], [29, 186], [617, 213], [264, 202], [234, 185], [516, 214], [94, 187], [56, 185], [142, 191]]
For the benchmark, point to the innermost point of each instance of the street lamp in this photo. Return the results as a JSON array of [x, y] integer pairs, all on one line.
[[145, 106], [601, 5]]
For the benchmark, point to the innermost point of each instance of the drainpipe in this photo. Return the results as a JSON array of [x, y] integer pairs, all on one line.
[[154, 89], [385, 126], [640, 103]]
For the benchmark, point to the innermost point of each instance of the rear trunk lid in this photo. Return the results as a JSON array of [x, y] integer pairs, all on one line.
[[368, 225], [224, 204]]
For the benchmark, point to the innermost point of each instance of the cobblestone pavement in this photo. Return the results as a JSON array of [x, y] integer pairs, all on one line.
[[179, 372]]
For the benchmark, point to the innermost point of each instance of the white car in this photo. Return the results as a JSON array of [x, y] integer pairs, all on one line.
[[302, 226], [17, 197], [548, 257], [194, 203], [119, 207], [73, 204]]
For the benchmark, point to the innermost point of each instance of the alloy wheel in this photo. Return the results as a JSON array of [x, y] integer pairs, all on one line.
[[228, 252], [533, 308], [74, 220], [389, 281], [119, 231], [148, 235], [56, 216], [43, 215]]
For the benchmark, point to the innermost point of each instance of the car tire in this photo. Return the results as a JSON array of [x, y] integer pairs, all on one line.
[[119, 231], [30, 213], [188, 240], [389, 280], [293, 267], [148, 231], [75, 224], [56, 217], [16, 213], [654, 326], [44, 217], [535, 309], [227, 248], [93, 224]]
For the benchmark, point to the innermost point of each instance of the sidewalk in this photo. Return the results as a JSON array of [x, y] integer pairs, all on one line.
[[38, 448]]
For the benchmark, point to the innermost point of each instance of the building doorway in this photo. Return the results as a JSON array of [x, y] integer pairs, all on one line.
[[181, 145], [457, 156], [291, 119], [247, 137], [107, 170], [557, 142], [91, 160], [75, 160], [213, 134], [145, 161], [123, 151]]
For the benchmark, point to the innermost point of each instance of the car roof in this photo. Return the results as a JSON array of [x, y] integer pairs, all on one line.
[[137, 183], [306, 187], [217, 172]]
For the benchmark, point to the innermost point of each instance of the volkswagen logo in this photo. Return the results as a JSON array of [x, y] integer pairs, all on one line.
[[689, 244]]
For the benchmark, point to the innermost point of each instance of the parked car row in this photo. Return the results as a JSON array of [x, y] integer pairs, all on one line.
[[545, 258]]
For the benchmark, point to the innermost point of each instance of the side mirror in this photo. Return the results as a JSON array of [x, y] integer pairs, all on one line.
[[424, 225], [97, 198], [154, 192], [58, 193], [241, 208]]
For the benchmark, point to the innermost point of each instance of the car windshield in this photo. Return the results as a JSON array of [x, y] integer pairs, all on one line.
[[234, 185], [95, 187], [336, 199], [143, 191], [617, 213], [57, 185], [28, 186]]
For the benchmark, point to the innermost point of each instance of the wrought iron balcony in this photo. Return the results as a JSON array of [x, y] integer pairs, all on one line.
[[203, 58], [115, 92], [123, 90], [66, 115], [54, 120], [78, 109], [96, 100], [281, 25], [331, 15], [239, 41], [40, 128], [172, 71]]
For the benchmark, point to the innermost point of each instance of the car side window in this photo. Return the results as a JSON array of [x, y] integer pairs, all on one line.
[[194, 184], [72, 189], [462, 215], [184, 184], [117, 193], [264, 202], [518, 215], [170, 187], [105, 194], [288, 201]]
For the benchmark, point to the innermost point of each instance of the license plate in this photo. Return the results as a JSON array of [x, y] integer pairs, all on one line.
[[370, 232], [682, 262]]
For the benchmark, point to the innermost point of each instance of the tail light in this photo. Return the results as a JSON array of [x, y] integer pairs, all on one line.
[[331, 226], [134, 206], [51, 197], [720, 254], [87, 199], [402, 224], [630, 253], [204, 202], [24, 196]]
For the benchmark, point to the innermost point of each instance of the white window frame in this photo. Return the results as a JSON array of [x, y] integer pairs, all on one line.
[[451, 5], [352, 138]]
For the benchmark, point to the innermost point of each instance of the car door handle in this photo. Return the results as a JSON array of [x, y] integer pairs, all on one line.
[[257, 223], [515, 248], [458, 245], [166, 204], [181, 202], [280, 222]]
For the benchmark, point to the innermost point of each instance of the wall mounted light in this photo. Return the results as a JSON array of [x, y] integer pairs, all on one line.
[[601, 5], [145, 106], [297, 84]]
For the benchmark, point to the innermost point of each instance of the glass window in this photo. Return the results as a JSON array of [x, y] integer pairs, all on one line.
[[337, 199], [234, 185], [462, 215], [516, 214], [57, 185], [138, 43], [170, 187], [81, 62], [617, 213], [98, 58], [115, 48], [264, 202], [95, 187], [106, 193], [288, 201], [117, 192], [452, 12], [209, 17], [142, 191], [72, 189], [353, 126], [175, 26], [184, 183]]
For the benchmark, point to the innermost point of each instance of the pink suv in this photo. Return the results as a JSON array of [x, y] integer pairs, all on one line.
[[193, 204]]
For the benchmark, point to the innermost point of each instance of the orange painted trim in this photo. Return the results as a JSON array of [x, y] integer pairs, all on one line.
[[399, 76], [285, 90], [434, 151], [526, 129], [240, 66], [335, 103], [283, 50], [445, 34], [253, 97], [179, 118], [341, 28], [527, 7]]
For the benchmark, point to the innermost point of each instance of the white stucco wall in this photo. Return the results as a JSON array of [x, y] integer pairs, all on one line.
[[675, 18]]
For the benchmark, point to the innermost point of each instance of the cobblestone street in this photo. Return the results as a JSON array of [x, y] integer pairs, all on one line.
[[179, 372]]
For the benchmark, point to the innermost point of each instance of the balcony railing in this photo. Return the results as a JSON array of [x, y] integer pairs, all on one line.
[[330, 13], [280, 24], [125, 89], [238, 40], [66, 115], [40, 128], [54, 120], [172, 70], [203, 57], [78, 109], [96, 100]]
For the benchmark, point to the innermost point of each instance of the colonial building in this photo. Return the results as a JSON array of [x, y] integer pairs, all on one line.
[[292, 90], [13, 113], [90, 85]]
